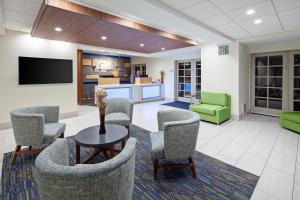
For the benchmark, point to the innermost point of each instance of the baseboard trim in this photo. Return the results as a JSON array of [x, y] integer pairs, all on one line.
[[7, 125]]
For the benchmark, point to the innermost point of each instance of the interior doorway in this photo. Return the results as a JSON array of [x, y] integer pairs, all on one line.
[[188, 80]]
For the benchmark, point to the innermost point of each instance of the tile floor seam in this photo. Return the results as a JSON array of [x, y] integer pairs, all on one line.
[[250, 144], [295, 169]]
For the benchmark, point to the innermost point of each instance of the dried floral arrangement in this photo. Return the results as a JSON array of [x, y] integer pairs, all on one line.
[[100, 96]]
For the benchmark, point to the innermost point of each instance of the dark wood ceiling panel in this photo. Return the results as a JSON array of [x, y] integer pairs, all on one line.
[[86, 26]]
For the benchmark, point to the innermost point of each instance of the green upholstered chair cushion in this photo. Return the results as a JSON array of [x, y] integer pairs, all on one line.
[[294, 117], [205, 108], [213, 98]]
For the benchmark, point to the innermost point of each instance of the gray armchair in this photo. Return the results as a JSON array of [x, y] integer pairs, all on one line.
[[119, 111], [176, 139], [35, 127], [109, 180]]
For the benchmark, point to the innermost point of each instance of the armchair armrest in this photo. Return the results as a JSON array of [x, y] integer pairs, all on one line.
[[223, 113]]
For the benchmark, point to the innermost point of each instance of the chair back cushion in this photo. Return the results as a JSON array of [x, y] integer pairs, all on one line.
[[213, 98], [117, 105], [111, 180], [180, 136]]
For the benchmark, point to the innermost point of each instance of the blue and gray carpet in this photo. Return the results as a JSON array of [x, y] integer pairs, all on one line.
[[215, 179]]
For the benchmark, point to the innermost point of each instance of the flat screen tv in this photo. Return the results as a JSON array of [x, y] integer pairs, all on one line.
[[44, 71]]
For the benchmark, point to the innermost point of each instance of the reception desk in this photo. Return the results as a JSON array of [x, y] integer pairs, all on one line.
[[135, 92]]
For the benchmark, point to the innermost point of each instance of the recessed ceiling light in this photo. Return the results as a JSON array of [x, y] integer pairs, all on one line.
[[103, 38], [58, 29], [141, 45], [258, 21], [163, 48], [250, 12], [119, 52]]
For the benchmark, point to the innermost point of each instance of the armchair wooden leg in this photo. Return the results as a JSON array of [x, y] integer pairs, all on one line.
[[155, 166], [18, 148], [62, 135], [192, 164]]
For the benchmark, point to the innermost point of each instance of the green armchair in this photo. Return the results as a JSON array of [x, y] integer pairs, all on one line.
[[214, 107], [290, 120]]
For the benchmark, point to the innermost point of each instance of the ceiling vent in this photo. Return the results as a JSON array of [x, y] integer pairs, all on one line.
[[223, 50]]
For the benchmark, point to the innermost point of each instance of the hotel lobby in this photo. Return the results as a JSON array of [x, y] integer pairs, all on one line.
[[150, 99]]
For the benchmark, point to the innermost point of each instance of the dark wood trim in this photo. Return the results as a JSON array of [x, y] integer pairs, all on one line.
[[157, 165], [79, 77], [39, 16], [73, 7]]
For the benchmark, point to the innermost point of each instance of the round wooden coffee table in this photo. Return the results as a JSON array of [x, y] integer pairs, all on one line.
[[91, 138]]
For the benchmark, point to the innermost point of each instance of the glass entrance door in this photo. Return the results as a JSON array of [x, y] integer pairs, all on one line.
[[268, 83], [294, 81], [188, 79]]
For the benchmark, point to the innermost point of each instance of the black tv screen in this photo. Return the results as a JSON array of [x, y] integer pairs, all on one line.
[[44, 71]]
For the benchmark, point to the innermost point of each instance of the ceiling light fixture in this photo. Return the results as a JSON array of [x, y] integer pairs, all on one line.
[[163, 48], [58, 29], [103, 38], [141, 45], [250, 12], [258, 21]]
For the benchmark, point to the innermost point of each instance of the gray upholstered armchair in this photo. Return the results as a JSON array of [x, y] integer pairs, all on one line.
[[176, 139], [35, 127], [109, 180], [119, 111]]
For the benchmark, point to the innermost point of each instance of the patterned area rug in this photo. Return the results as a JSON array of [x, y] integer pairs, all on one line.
[[215, 179], [178, 104]]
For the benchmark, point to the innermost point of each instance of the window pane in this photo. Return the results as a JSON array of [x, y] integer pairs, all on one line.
[[181, 93], [261, 61], [297, 83], [187, 79], [261, 92], [296, 94], [262, 82], [275, 60], [181, 73], [275, 71], [275, 93], [275, 104], [187, 65], [198, 72], [181, 66], [198, 79], [296, 106], [198, 88], [297, 59], [198, 64], [187, 72], [261, 71], [297, 71], [260, 102], [180, 87], [181, 80], [275, 82], [188, 87]]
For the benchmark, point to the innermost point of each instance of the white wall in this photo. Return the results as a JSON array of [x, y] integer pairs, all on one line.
[[167, 64], [228, 73], [286, 46], [244, 78], [15, 44], [220, 73]]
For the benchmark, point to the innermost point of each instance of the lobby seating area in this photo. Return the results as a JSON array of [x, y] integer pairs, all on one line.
[[150, 99]]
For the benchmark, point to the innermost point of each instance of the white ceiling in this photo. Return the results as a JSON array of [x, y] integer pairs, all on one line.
[[229, 16], [216, 21]]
